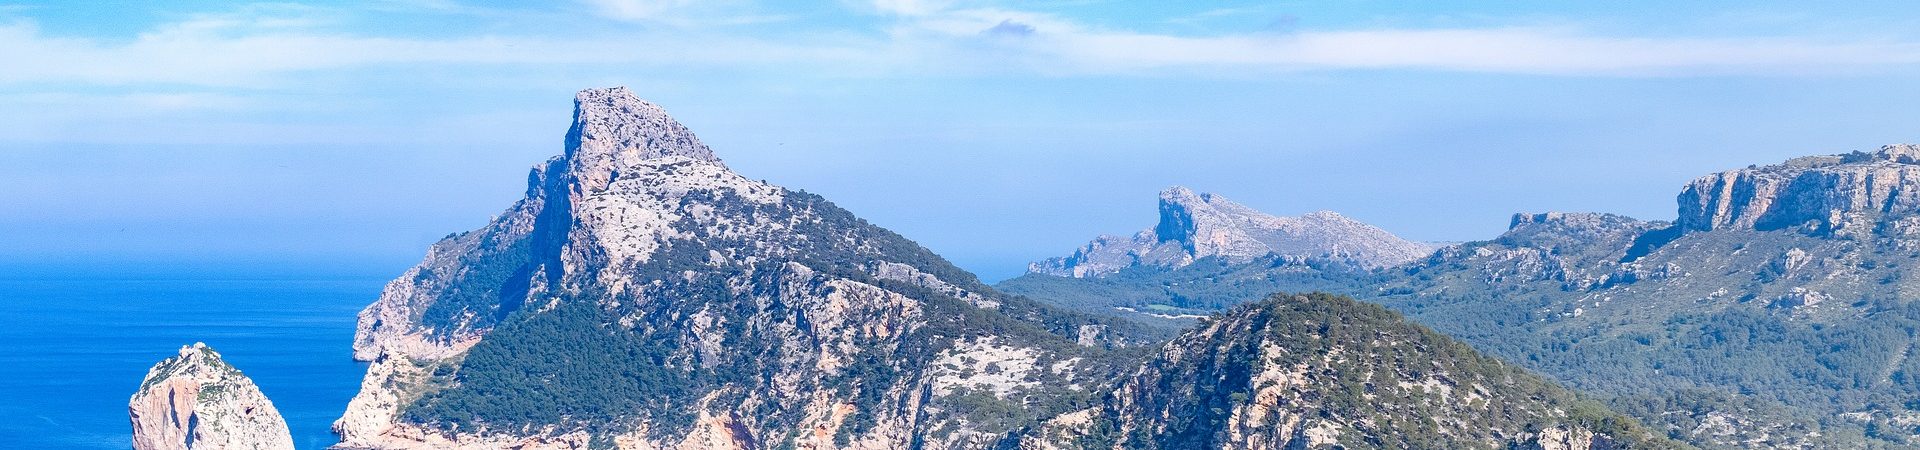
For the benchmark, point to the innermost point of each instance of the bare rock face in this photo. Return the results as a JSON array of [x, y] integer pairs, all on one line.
[[613, 129], [644, 296], [1199, 225], [1836, 194], [198, 401]]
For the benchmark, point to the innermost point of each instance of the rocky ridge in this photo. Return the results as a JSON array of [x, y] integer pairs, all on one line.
[[1845, 194], [1320, 371], [1774, 311], [1195, 225], [1805, 259], [663, 301], [196, 400]]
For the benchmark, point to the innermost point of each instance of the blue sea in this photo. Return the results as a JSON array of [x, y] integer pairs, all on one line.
[[77, 347]]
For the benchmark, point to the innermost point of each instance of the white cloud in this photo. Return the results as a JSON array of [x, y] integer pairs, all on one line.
[[638, 10], [911, 7], [681, 13], [1520, 50], [261, 46], [1058, 46], [259, 50]]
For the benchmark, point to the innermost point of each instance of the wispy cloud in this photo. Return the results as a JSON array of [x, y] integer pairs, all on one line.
[[680, 13], [638, 9], [1514, 50], [258, 48], [911, 7], [1057, 45], [261, 45]]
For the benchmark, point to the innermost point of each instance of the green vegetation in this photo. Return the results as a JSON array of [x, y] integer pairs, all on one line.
[[519, 378], [1681, 330], [604, 362], [1201, 288], [1358, 360]]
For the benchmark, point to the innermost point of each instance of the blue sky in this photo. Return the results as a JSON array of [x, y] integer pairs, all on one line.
[[349, 135]]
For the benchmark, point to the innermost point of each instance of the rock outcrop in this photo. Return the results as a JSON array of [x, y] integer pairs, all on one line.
[[1797, 258], [1320, 371], [1576, 251], [1847, 193], [1200, 225], [643, 295], [197, 401]]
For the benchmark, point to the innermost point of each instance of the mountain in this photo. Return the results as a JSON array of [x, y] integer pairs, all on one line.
[[1779, 288], [1195, 226], [1322, 371], [643, 295], [1208, 253], [196, 400], [1774, 312]]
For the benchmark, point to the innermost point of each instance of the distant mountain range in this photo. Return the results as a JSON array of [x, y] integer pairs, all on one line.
[[1775, 312], [1195, 226], [1208, 253], [644, 296]]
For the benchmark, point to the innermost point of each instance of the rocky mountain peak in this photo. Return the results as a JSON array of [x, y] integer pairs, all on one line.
[[1195, 225], [613, 130], [1834, 194], [196, 400], [645, 295], [1185, 214]]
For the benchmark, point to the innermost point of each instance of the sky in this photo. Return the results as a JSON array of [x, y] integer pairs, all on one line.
[[344, 137]]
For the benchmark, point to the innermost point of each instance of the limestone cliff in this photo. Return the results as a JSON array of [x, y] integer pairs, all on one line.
[[1844, 194], [1200, 225], [1803, 259], [643, 295], [197, 401]]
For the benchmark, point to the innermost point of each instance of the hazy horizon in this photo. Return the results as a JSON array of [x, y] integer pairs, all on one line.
[[340, 134]]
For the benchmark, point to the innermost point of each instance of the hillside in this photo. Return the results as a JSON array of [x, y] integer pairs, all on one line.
[[1324, 371], [1773, 313], [1779, 288]]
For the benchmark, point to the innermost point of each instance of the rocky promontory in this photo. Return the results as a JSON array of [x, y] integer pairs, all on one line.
[[1195, 225], [197, 401], [1823, 194]]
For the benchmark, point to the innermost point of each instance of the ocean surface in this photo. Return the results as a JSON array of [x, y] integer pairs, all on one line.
[[76, 348]]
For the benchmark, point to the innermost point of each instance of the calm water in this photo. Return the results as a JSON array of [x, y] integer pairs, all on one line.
[[77, 349]]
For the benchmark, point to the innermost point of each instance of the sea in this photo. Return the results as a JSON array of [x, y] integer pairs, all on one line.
[[76, 347]]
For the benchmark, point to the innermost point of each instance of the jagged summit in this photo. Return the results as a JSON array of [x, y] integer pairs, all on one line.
[[613, 129], [1841, 194], [1195, 225], [643, 295]]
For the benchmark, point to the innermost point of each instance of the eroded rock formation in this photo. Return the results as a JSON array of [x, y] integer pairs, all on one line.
[[1200, 225], [197, 401], [1824, 194]]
